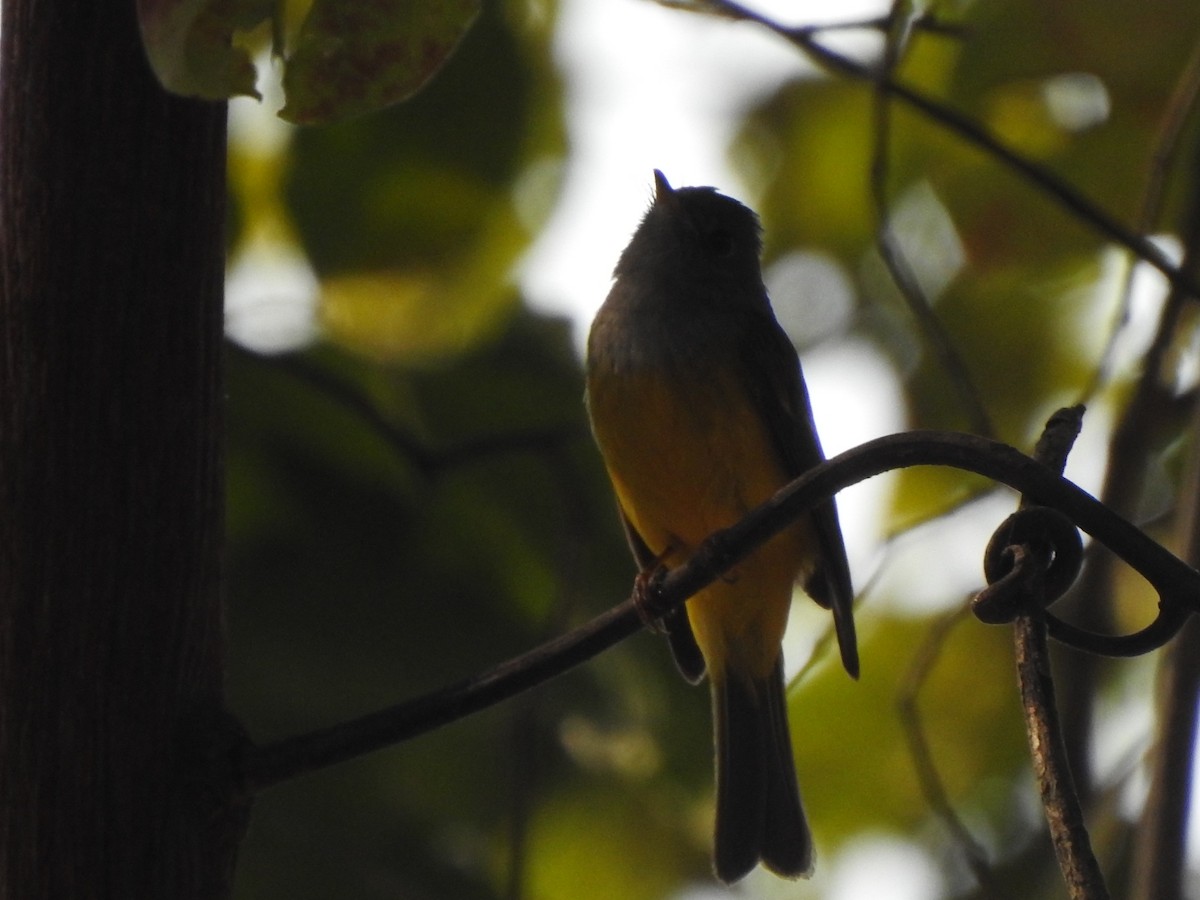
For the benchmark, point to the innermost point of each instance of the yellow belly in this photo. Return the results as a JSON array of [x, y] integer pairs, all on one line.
[[688, 462]]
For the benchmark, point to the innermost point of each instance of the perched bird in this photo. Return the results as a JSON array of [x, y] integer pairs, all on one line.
[[700, 412]]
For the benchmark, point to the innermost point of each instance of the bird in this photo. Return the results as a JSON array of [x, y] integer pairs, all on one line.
[[699, 408]]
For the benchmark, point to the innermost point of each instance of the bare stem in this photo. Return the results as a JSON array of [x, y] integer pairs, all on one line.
[[1064, 815], [1051, 768]]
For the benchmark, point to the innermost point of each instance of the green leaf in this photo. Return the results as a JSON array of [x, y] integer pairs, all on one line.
[[353, 58], [189, 45], [855, 767], [590, 831]]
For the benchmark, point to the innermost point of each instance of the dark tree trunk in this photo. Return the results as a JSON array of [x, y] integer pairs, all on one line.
[[111, 449]]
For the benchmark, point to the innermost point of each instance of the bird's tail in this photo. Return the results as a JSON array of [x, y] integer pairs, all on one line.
[[759, 815]]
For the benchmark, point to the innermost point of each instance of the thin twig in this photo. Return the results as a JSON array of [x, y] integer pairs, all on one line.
[[272, 764], [524, 767], [527, 765], [1181, 106], [429, 462], [918, 745], [892, 253], [1129, 452], [970, 131], [1177, 583], [1159, 844], [925, 22], [1152, 404]]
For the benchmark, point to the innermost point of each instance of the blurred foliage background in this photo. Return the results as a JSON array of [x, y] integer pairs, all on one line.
[[414, 496]]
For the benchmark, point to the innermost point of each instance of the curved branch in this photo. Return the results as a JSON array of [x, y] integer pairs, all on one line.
[[1176, 583]]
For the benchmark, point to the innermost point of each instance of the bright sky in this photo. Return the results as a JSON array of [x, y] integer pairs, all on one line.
[[648, 87]]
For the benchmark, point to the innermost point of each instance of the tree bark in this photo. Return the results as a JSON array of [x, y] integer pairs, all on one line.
[[111, 468]]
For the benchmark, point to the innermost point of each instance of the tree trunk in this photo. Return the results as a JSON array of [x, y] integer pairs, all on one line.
[[111, 454]]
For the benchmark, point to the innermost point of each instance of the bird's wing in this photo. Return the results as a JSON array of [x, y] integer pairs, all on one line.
[[776, 386]]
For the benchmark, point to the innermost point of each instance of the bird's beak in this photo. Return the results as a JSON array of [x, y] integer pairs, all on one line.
[[662, 188]]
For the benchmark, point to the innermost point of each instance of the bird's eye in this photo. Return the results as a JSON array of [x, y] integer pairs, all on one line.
[[719, 243]]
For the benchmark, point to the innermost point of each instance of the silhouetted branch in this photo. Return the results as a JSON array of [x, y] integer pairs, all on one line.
[[429, 461], [526, 713], [1178, 586], [1148, 411], [1160, 850], [1160, 841], [927, 22], [1181, 106], [970, 131], [913, 729], [892, 253]]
